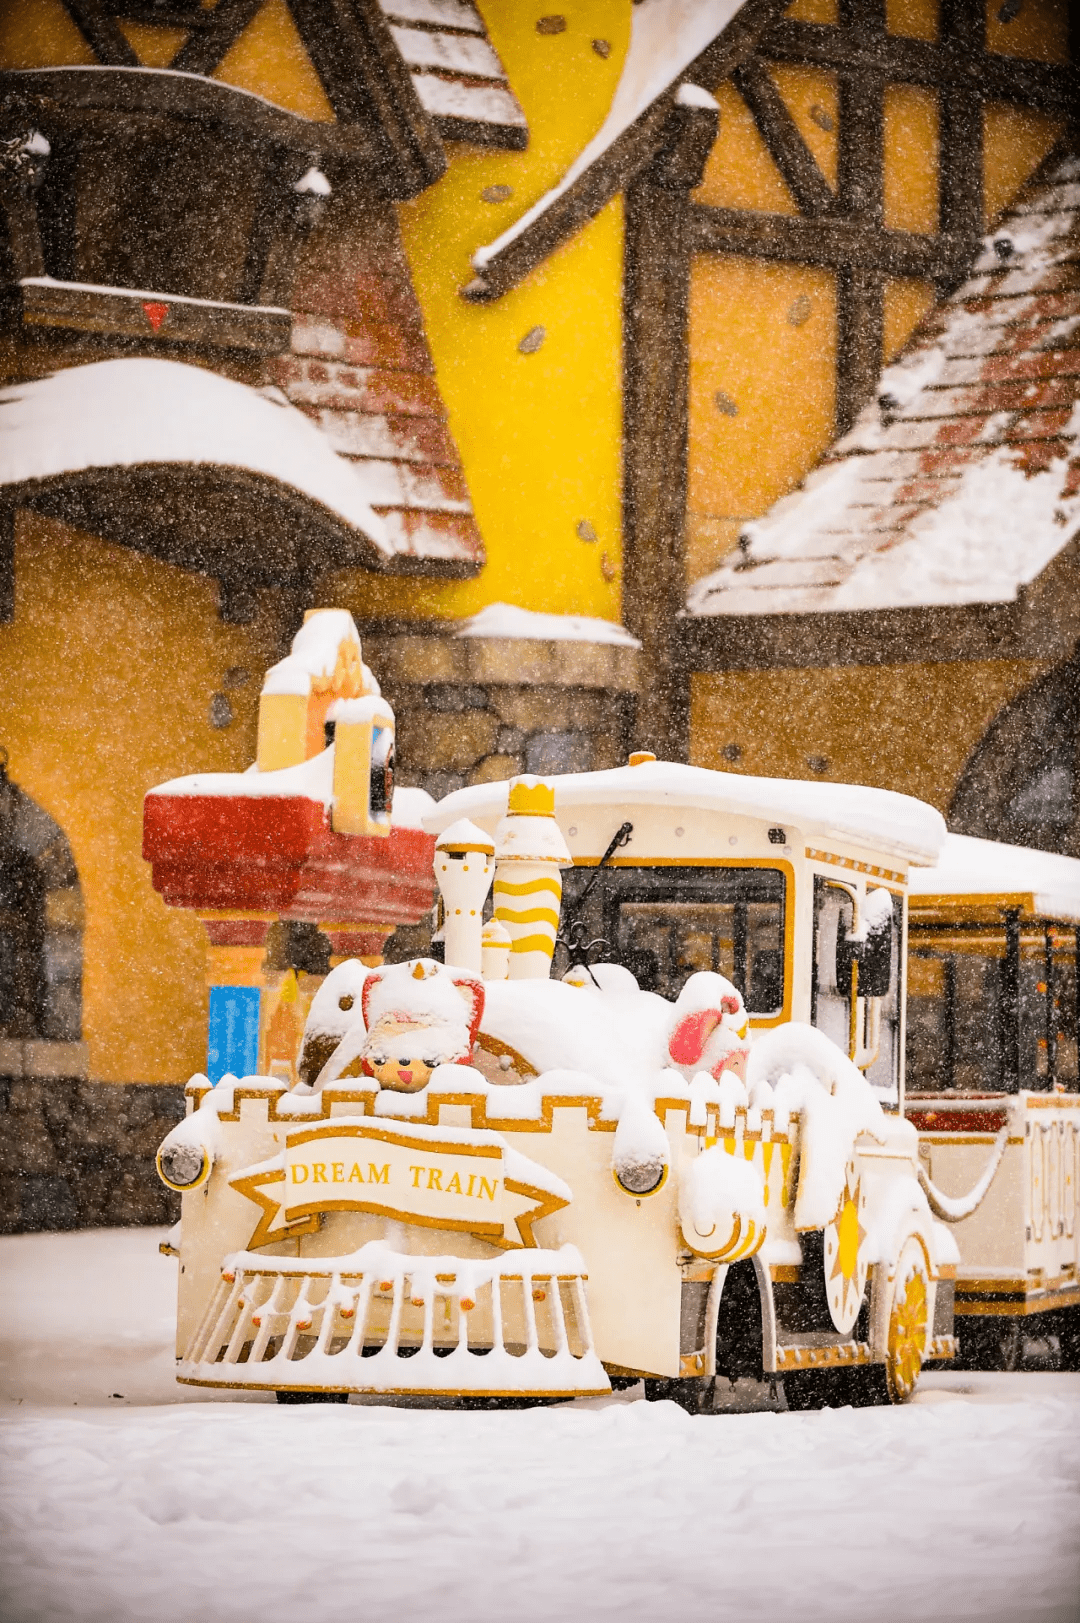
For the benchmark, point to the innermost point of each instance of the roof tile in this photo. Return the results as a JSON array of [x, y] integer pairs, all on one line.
[[960, 481]]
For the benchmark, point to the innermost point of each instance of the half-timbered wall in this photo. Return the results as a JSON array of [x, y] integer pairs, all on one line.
[[859, 156]]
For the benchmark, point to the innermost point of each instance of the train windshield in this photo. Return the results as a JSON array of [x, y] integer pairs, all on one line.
[[666, 923]]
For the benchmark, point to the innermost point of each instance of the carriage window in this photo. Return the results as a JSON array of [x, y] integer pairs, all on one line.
[[957, 1037], [665, 924]]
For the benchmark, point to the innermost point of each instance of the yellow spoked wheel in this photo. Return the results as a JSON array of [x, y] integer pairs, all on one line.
[[908, 1320]]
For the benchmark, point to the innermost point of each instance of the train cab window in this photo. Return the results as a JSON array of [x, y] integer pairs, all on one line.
[[834, 915], [870, 1036], [665, 924]]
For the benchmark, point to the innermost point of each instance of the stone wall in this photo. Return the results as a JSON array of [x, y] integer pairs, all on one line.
[[475, 709], [79, 1154]]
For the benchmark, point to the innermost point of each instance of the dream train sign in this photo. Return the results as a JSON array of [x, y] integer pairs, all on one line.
[[464, 1179]]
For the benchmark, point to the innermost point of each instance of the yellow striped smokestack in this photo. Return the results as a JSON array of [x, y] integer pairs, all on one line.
[[529, 853]]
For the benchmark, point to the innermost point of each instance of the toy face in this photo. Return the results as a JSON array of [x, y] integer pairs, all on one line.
[[401, 1057], [403, 1073]]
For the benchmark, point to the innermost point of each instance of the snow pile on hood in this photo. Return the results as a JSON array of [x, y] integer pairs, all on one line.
[[794, 1068], [721, 1204]]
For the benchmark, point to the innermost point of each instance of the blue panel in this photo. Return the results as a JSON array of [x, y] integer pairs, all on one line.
[[233, 1043]]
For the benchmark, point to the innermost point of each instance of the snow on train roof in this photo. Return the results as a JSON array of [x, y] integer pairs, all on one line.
[[971, 867], [878, 818]]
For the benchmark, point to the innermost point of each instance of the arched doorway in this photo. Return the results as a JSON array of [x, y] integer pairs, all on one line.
[[1020, 785], [41, 922]]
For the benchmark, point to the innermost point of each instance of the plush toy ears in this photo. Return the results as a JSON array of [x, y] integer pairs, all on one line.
[[691, 1034], [468, 987], [365, 997], [472, 991]]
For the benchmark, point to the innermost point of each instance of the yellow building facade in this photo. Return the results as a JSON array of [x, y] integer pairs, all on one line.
[[117, 668]]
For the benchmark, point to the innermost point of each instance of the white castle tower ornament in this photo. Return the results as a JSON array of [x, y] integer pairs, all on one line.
[[529, 852], [464, 868]]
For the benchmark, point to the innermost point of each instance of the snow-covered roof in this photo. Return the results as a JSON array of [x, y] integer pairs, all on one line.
[[311, 780], [507, 621], [1044, 883], [877, 818], [143, 412], [456, 73], [665, 37], [960, 481], [668, 41]]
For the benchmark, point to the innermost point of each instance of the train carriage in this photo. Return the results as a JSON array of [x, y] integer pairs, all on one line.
[[992, 1086]]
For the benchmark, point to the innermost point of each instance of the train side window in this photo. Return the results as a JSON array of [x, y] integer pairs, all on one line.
[[830, 1007], [968, 1032], [887, 962]]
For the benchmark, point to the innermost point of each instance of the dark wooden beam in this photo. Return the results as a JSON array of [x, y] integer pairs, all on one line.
[[159, 318], [827, 240], [102, 34], [960, 151], [860, 319], [7, 562], [860, 166], [861, 146], [656, 294], [629, 155], [655, 419], [368, 84], [817, 641], [778, 130], [960, 163], [205, 47], [1042, 623], [19, 210], [55, 97], [1046, 85]]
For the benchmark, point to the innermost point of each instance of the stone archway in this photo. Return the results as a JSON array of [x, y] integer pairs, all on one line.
[[1021, 783]]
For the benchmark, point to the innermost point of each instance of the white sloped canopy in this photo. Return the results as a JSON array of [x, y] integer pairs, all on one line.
[[665, 37], [180, 461], [1047, 884]]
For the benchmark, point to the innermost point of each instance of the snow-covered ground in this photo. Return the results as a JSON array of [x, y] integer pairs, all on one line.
[[126, 1498]]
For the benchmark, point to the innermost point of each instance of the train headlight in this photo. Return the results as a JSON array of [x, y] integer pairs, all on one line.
[[640, 1174], [182, 1165]]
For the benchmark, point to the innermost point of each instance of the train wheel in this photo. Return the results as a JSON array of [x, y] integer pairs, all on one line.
[[312, 1397], [692, 1393], [905, 1346], [990, 1343], [1069, 1338]]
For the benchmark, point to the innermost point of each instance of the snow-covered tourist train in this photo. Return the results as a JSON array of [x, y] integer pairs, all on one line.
[[642, 1111], [992, 1086], [683, 1158]]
